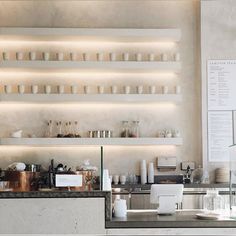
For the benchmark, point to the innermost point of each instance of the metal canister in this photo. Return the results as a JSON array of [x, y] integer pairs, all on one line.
[[103, 133], [108, 133], [97, 134], [90, 133]]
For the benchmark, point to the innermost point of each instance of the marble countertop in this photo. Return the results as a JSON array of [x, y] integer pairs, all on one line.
[[182, 219]]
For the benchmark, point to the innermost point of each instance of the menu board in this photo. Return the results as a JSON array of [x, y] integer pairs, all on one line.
[[221, 108]]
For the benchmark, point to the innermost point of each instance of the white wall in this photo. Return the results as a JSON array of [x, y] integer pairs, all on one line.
[[131, 14]]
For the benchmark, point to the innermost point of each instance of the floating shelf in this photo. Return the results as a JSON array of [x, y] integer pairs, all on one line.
[[117, 34], [91, 141], [149, 66], [91, 98]]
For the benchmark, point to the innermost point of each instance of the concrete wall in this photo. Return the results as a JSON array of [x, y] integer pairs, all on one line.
[[131, 14]]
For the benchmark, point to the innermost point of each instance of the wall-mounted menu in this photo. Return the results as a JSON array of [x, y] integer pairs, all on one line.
[[221, 106]]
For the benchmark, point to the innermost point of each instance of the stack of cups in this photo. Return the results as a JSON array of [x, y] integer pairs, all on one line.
[[106, 181], [143, 169], [151, 173]]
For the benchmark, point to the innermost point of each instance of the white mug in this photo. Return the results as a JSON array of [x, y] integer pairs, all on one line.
[[48, 89], [100, 56], [152, 89], [86, 89], [138, 56], [8, 88], [126, 56], [113, 89], [73, 56], [32, 56], [122, 179], [6, 56], [19, 56], [101, 89], [127, 89], [73, 89], [164, 57], [112, 56], [34, 89], [60, 89], [86, 56], [21, 89], [60, 56], [177, 56], [151, 57], [116, 179], [46, 56], [165, 89], [177, 89], [140, 89]]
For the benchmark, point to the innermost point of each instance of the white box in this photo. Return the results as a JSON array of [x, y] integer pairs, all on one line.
[[64, 180]]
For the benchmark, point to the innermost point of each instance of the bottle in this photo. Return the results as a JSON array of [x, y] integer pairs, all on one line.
[[151, 173], [135, 129], [143, 170], [212, 201], [125, 129]]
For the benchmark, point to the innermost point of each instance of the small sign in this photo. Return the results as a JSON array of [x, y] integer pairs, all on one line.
[[68, 180]]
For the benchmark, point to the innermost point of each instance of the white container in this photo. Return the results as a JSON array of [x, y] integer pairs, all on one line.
[[86, 56], [116, 179], [46, 56], [164, 57], [151, 173], [112, 56], [32, 56], [127, 89], [61, 89], [60, 56], [177, 89], [74, 89], [34, 89], [19, 56], [101, 89], [8, 88], [86, 89], [120, 208], [138, 56], [100, 56], [6, 56], [73, 56], [177, 56], [106, 181], [165, 89], [152, 89], [143, 172], [48, 89], [139, 89], [122, 179], [114, 89], [151, 57], [125, 56], [21, 89]]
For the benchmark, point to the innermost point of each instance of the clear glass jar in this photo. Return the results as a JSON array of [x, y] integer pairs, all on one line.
[[135, 129], [125, 129], [49, 132], [212, 201]]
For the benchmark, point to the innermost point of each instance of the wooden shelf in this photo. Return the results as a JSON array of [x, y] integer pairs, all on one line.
[[149, 66], [117, 34], [91, 98], [91, 141]]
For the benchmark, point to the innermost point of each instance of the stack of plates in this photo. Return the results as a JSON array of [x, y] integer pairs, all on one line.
[[222, 175]]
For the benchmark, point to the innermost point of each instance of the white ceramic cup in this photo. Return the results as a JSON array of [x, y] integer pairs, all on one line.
[[60, 56], [6, 56], [116, 179], [165, 89], [34, 89], [122, 179], [125, 56], [101, 89], [74, 89], [112, 56], [21, 88], [86, 89], [8, 88], [48, 89], [139, 89], [177, 56], [100, 56], [19, 56], [177, 89], [138, 56], [86, 56], [151, 56], [164, 57], [32, 56], [73, 56], [152, 89], [46, 56], [114, 89], [61, 89], [127, 89]]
